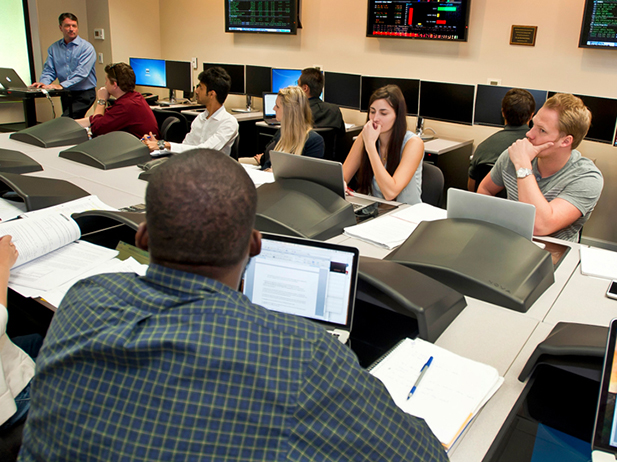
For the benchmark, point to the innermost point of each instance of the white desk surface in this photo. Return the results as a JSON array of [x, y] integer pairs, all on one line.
[[442, 145], [484, 332]]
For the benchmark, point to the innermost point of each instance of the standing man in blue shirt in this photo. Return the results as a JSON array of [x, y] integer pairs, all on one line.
[[71, 60]]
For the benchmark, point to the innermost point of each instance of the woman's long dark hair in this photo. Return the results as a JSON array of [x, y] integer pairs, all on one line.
[[394, 96]]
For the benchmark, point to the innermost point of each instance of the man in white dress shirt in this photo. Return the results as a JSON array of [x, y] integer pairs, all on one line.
[[215, 128]]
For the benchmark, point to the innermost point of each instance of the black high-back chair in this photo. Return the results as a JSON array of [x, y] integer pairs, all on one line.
[[235, 148], [173, 126], [432, 184], [329, 137]]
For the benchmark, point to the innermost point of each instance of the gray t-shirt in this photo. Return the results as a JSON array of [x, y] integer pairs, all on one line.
[[579, 182]]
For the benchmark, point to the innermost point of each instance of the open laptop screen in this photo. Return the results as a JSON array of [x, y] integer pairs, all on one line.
[[312, 279], [605, 428]]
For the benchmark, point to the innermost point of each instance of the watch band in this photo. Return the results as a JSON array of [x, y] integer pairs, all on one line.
[[102, 102], [161, 145], [523, 173]]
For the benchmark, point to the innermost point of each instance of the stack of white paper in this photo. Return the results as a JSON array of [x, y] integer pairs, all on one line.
[[258, 176], [392, 230], [599, 263], [451, 392]]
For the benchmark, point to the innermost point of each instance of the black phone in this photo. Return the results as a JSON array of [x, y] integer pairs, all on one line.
[[612, 290]]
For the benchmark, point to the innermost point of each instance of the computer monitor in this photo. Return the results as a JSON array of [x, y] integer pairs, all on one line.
[[282, 78], [149, 72], [418, 20], [449, 102], [258, 80], [236, 72], [603, 117], [598, 28], [261, 16], [178, 75], [488, 104], [342, 89], [409, 87]]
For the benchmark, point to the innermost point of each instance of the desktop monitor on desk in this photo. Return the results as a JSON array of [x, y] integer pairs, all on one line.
[[488, 104], [149, 72], [342, 89], [258, 81], [409, 87], [236, 72], [449, 102], [603, 117], [178, 76], [282, 78]]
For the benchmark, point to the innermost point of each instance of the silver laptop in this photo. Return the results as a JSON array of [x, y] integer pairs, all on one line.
[[604, 438], [312, 279], [324, 172], [516, 216], [268, 109], [11, 81]]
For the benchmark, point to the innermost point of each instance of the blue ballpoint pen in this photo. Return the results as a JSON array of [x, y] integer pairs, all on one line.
[[422, 372]]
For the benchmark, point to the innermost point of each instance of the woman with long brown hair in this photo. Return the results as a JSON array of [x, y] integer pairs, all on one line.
[[386, 156]]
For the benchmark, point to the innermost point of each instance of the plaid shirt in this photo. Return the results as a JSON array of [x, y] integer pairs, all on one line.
[[175, 366]]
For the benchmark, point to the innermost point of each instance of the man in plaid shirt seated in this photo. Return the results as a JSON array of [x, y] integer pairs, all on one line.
[[178, 365]]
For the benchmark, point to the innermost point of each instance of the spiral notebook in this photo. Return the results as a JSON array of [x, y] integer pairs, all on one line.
[[451, 392]]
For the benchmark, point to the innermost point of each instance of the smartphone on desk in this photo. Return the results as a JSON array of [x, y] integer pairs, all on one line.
[[612, 290]]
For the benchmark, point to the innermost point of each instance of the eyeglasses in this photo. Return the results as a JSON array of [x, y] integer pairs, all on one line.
[[111, 69]]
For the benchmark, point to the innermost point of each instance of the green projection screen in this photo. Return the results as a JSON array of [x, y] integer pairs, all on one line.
[[14, 51]]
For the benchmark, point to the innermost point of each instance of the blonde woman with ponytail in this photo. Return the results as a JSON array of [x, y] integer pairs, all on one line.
[[296, 135]]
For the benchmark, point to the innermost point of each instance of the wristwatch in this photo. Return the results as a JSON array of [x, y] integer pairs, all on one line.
[[523, 173], [102, 102], [161, 145]]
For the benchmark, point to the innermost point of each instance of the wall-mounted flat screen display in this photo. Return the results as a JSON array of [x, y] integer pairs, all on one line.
[[236, 72], [603, 117], [149, 72], [599, 27], [409, 87], [488, 104], [418, 19], [342, 89], [258, 80], [450, 102], [261, 16]]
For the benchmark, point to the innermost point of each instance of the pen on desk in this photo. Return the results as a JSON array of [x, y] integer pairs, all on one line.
[[422, 372], [349, 191]]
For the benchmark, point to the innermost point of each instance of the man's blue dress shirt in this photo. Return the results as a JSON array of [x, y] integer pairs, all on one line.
[[71, 63]]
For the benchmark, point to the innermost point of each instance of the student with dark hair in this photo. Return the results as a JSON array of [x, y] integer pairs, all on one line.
[[178, 365], [517, 108], [130, 111], [215, 128], [325, 115], [386, 156], [71, 60]]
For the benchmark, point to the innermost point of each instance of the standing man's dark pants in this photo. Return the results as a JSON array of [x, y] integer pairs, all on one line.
[[81, 101]]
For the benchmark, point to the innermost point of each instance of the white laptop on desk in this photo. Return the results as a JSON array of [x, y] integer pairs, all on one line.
[[324, 172], [516, 216], [604, 438], [268, 109], [312, 279]]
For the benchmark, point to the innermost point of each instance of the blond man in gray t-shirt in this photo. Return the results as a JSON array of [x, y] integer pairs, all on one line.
[[545, 170]]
